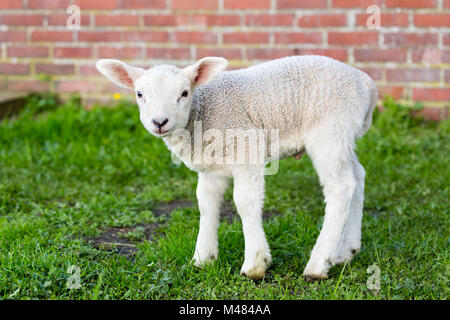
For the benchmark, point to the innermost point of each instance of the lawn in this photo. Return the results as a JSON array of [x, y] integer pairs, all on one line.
[[91, 196]]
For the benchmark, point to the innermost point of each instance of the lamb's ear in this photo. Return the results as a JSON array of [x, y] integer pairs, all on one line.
[[119, 73], [205, 70]]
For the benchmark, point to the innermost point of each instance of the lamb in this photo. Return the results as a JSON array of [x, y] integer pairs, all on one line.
[[316, 105]]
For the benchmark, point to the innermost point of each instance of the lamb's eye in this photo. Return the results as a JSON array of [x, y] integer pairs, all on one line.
[[185, 94], [139, 93]]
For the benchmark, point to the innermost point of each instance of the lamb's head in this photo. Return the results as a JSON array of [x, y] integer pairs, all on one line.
[[163, 92]]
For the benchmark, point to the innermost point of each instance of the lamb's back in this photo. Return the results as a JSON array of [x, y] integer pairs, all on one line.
[[286, 94]]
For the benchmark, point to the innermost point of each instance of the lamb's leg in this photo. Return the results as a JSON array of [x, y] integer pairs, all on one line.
[[352, 234], [210, 190], [249, 198], [333, 162]]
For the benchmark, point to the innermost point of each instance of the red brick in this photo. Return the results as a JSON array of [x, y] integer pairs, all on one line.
[[10, 4], [51, 36], [395, 92], [386, 19], [168, 53], [380, 55], [188, 20], [149, 36], [13, 36], [54, 68], [191, 26], [322, 20], [208, 20], [219, 20], [446, 39], [446, 56], [247, 4], [116, 20], [111, 88], [302, 4], [144, 4], [28, 85], [14, 69], [27, 52], [89, 70], [194, 37], [173, 20], [160, 20], [120, 53], [298, 37], [375, 73], [195, 4], [22, 19], [228, 53], [447, 75], [99, 36], [431, 113], [96, 4], [76, 86], [246, 37], [356, 3], [410, 39], [338, 54], [432, 20], [268, 53], [431, 94], [238, 66], [192, 20], [408, 75], [48, 4], [269, 20], [60, 19], [72, 52], [411, 3], [352, 38], [428, 55]]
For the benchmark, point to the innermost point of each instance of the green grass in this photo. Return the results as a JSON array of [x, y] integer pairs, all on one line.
[[67, 174]]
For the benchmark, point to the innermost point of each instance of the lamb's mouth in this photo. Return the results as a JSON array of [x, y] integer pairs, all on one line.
[[162, 133]]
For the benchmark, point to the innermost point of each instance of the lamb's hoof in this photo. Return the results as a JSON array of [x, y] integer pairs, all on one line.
[[200, 263], [314, 277], [255, 274], [256, 270], [317, 270]]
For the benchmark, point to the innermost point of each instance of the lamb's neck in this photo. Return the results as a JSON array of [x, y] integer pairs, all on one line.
[[178, 145], [194, 115]]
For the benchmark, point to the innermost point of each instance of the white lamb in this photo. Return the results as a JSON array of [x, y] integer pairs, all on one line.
[[317, 104]]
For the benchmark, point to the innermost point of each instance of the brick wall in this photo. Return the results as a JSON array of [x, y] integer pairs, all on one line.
[[408, 56]]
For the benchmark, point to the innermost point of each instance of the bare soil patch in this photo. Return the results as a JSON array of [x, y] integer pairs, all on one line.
[[120, 240], [124, 240]]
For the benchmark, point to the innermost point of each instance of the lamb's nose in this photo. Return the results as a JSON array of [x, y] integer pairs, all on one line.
[[160, 124]]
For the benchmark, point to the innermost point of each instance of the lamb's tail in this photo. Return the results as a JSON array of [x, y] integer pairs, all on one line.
[[372, 104]]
